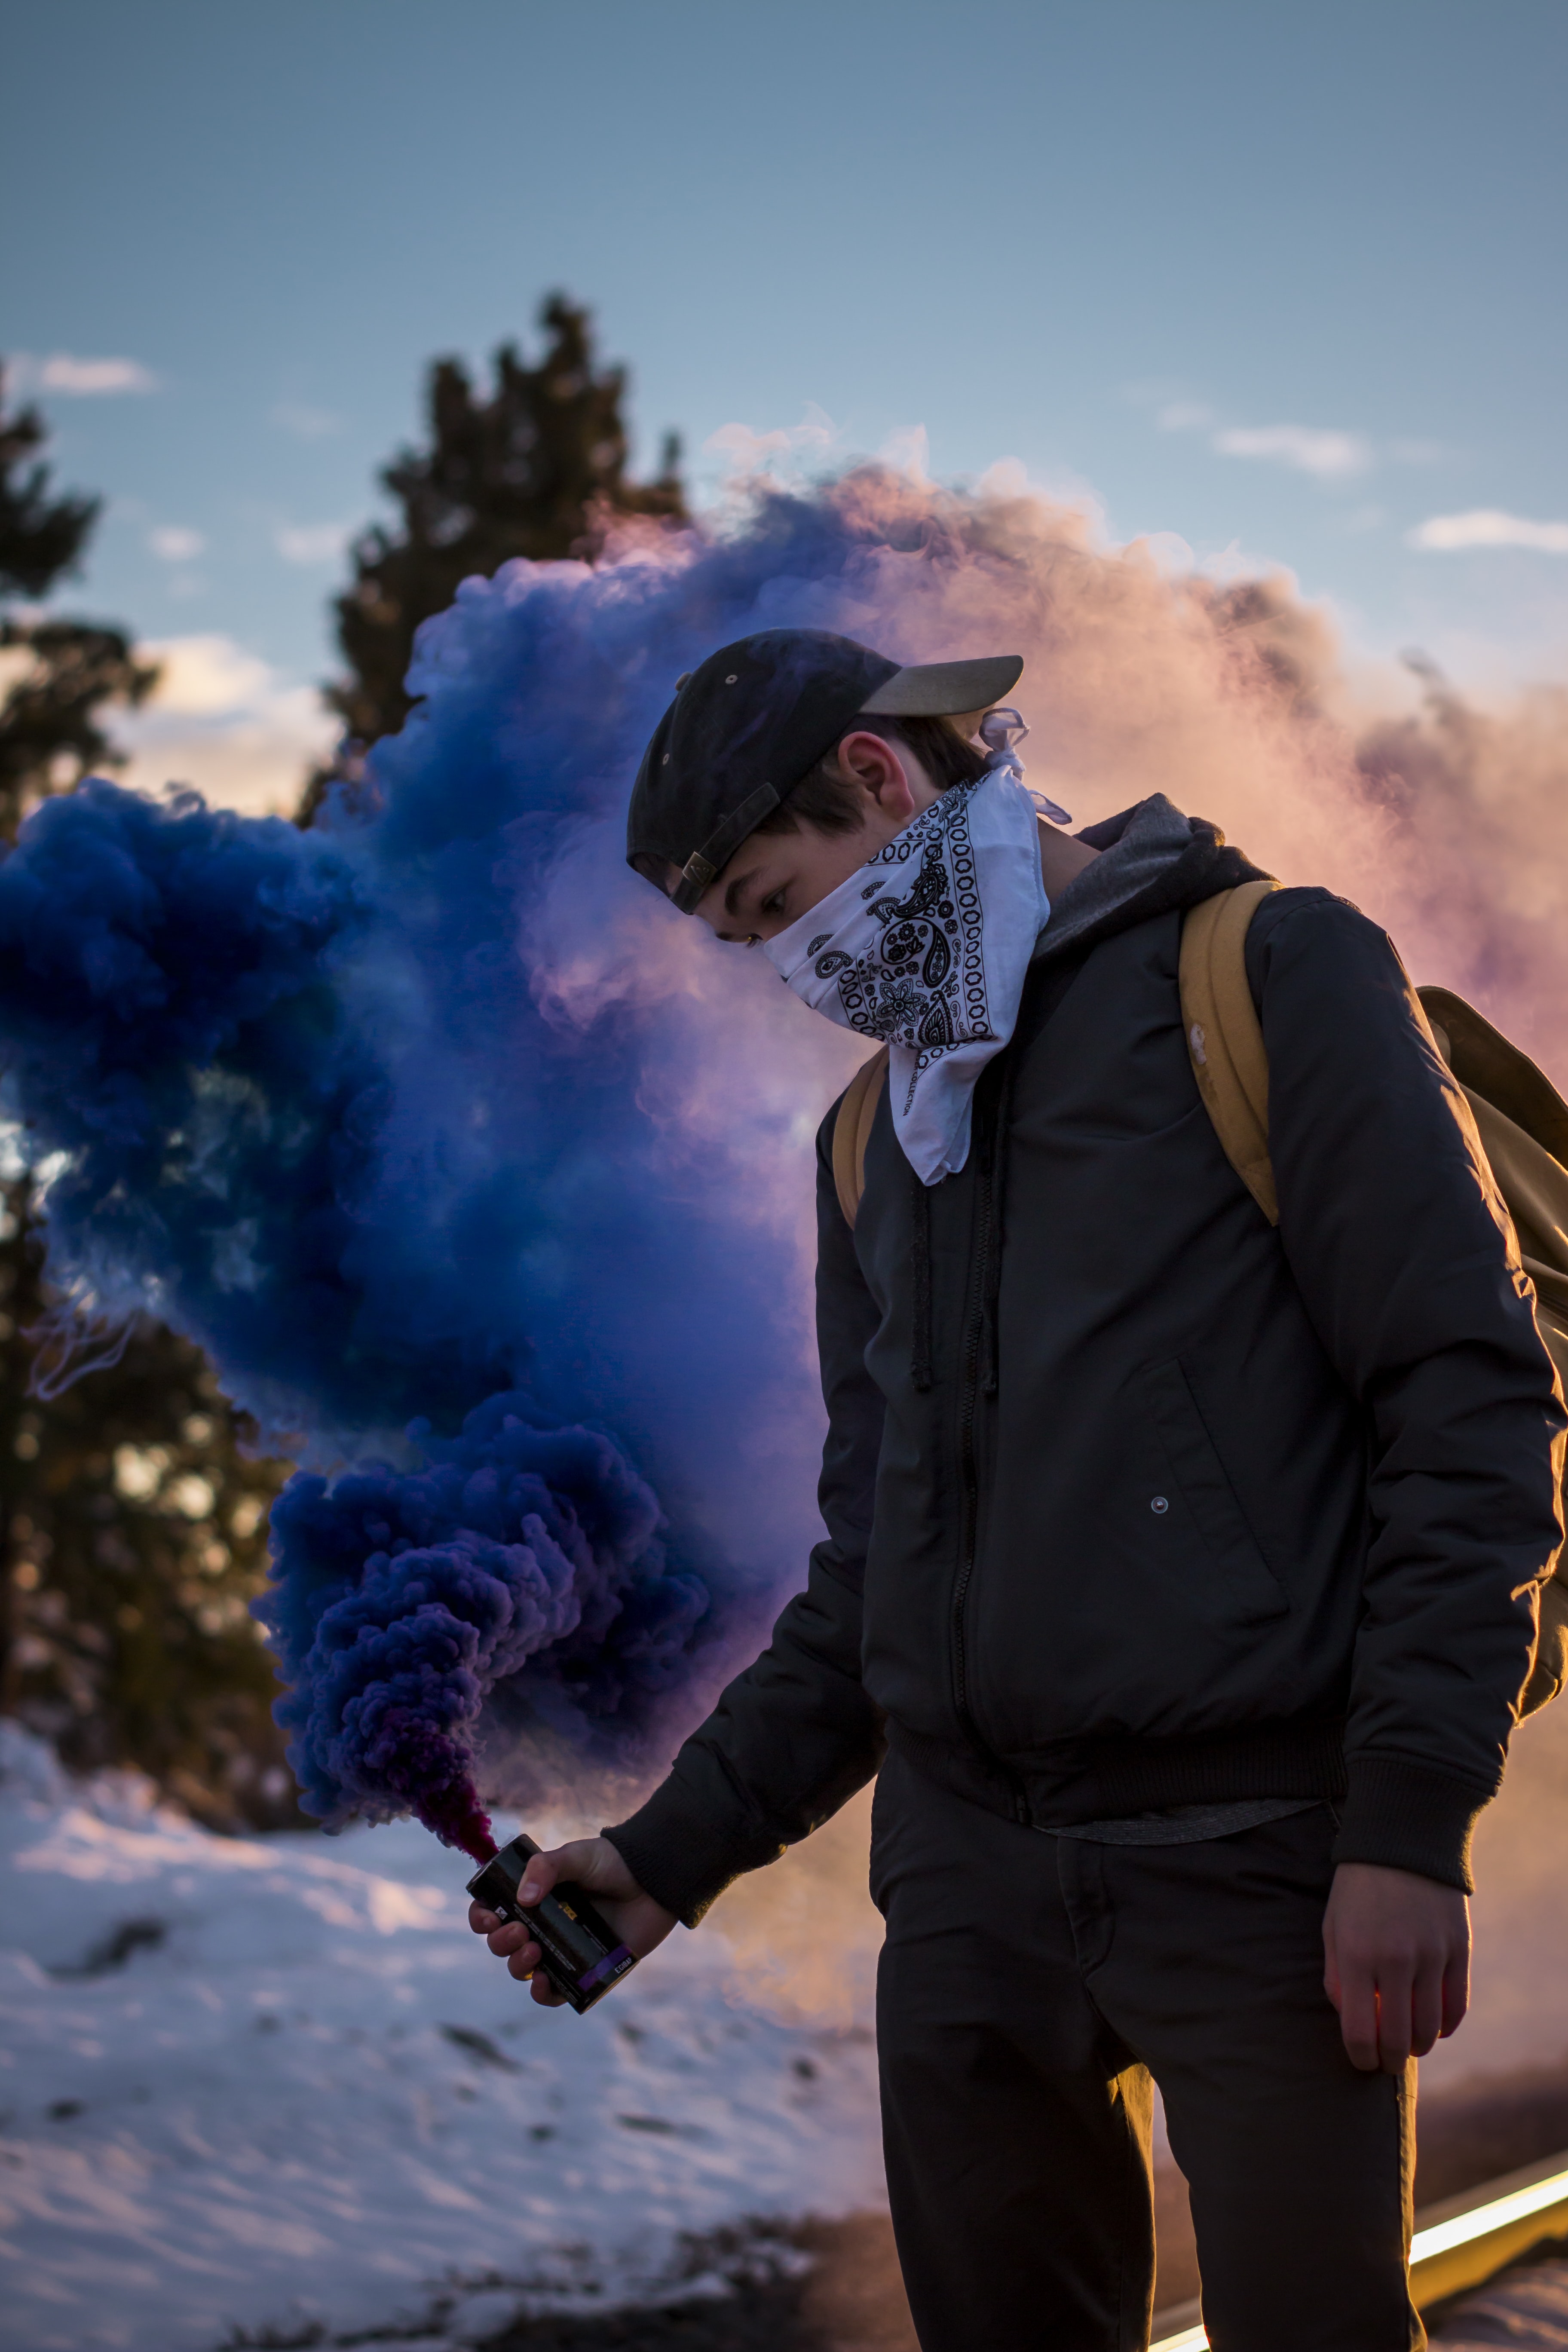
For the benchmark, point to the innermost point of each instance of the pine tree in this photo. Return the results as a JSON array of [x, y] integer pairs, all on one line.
[[537, 469], [62, 673], [131, 1515]]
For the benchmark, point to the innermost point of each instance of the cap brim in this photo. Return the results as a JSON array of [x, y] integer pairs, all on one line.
[[946, 689]]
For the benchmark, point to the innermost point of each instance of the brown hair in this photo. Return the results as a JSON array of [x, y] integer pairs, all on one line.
[[827, 799]]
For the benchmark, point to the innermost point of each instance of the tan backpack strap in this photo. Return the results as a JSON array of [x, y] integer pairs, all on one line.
[[1224, 1036], [852, 1132]]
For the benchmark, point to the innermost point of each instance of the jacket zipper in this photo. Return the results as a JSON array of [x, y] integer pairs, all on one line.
[[969, 1475], [968, 1468], [1035, 1010]]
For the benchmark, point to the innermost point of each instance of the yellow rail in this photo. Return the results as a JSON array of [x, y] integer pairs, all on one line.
[[1458, 2244]]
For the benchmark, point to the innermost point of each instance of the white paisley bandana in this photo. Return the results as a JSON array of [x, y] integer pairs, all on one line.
[[926, 946]]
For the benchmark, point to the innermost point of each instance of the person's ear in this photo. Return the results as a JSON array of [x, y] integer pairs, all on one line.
[[874, 764]]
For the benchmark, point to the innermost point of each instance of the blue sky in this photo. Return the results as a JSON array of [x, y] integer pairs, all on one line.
[[1286, 283]]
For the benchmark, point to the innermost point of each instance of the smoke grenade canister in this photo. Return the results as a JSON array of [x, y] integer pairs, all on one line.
[[581, 1954]]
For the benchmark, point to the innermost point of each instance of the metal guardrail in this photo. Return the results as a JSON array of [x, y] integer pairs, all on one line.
[[1460, 2243]]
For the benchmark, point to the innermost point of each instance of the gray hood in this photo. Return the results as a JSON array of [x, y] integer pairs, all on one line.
[[1151, 858]]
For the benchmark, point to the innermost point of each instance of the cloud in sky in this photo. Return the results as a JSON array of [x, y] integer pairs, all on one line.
[[227, 723], [1488, 527], [1329, 453], [1351, 521], [1185, 417], [312, 542], [1326, 453], [297, 416], [79, 378], [174, 544]]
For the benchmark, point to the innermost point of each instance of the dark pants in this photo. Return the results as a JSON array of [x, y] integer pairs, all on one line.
[[1030, 1985]]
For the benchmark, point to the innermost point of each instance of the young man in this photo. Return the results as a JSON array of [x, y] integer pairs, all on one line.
[[1181, 1571]]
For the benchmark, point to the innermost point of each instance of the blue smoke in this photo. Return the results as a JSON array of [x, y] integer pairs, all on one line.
[[521, 1555], [434, 1115]]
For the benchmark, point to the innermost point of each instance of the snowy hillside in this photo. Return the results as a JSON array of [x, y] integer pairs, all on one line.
[[248, 2083]]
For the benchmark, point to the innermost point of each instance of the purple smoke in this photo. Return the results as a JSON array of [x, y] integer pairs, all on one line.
[[521, 1555]]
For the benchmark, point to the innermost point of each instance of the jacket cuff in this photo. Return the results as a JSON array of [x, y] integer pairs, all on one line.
[[1410, 1817], [681, 1855]]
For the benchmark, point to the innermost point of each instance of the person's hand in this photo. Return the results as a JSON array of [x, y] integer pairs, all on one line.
[[1396, 1952], [597, 1868]]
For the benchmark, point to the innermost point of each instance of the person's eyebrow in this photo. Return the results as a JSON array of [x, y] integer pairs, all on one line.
[[733, 895]]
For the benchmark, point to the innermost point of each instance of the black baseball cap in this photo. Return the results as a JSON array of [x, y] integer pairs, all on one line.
[[755, 718]]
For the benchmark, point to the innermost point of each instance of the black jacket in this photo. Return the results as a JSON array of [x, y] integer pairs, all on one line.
[[1132, 1500]]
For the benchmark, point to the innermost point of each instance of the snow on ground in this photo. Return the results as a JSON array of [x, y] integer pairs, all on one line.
[[251, 2082]]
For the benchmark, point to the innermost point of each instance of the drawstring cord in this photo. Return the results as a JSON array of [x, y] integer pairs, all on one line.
[[994, 1166], [996, 1178], [994, 1102], [993, 1175], [993, 1116], [919, 1351]]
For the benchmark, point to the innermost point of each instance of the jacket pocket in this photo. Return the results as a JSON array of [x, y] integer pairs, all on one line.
[[1255, 1591]]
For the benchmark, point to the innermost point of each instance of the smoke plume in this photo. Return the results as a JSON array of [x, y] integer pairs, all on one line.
[[526, 1556], [486, 1180]]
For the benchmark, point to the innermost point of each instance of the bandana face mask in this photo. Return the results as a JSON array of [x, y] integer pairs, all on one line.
[[925, 948]]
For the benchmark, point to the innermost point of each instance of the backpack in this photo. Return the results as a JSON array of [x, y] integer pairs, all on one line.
[[1522, 1119]]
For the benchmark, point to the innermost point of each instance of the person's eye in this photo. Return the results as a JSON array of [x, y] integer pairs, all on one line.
[[774, 904]]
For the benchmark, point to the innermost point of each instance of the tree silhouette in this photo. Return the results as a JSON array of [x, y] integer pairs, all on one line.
[[133, 1518], [536, 469], [60, 673]]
